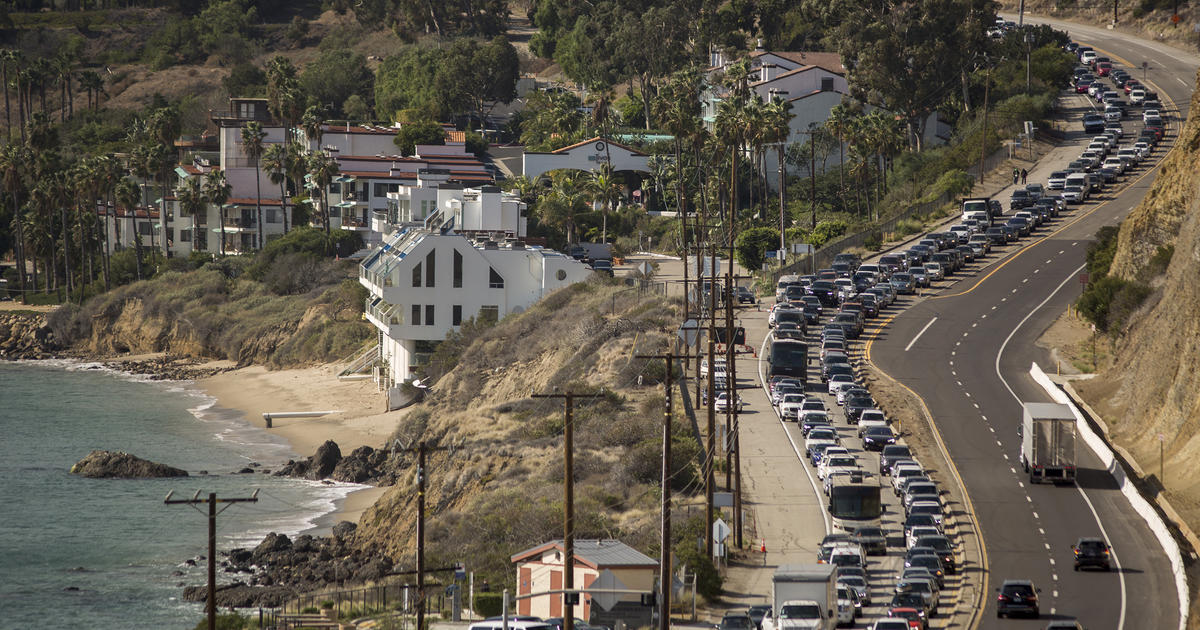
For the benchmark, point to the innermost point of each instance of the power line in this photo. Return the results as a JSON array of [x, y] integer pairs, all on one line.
[[212, 502]]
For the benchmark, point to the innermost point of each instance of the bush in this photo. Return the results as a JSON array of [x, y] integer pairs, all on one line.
[[489, 604], [687, 553], [227, 621], [908, 227], [752, 244], [873, 241], [1109, 301]]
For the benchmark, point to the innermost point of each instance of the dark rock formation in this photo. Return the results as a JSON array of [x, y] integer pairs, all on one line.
[[108, 464], [25, 335], [364, 465], [242, 595]]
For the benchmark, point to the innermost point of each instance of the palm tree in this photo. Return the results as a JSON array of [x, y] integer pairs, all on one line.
[[564, 201], [322, 169], [108, 176], [296, 166], [64, 67], [313, 124], [252, 145], [604, 188], [8, 60], [274, 159], [217, 191], [165, 126], [525, 188], [127, 195], [13, 162], [93, 84], [191, 203]]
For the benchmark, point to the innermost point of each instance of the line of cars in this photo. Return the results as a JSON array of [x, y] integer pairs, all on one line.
[[834, 448]]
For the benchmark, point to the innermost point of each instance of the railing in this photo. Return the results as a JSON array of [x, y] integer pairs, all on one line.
[[240, 223], [367, 358], [367, 600], [355, 222]]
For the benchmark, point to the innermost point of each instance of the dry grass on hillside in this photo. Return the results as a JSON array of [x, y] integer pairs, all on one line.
[[500, 491]]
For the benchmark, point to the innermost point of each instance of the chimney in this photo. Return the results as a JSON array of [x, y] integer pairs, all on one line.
[[758, 45], [767, 72]]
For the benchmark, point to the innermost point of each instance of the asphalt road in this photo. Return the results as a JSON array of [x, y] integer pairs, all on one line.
[[971, 364]]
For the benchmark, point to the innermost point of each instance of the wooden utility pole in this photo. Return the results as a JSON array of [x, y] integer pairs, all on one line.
[[422, 449], [987, 82], [569, 598], [212, 502], [664, 561]]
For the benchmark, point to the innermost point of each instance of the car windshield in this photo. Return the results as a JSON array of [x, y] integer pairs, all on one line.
[[1018, 589], [801, 611], [737, 622], [1092, 545], [842, 461], [879, 431]]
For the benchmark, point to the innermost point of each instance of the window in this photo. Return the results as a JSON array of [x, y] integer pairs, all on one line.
[[185, 235], [416, 314], [335, 189], [417, 275], [494, 279], [490, 314], [458, 272], [429, 268], [201, 241], [272, 215], [456, 315], [429, 315], [826, 84], [144, 229], [381, 190]]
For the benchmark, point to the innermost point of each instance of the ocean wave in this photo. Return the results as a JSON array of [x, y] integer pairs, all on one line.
[[292, 511]]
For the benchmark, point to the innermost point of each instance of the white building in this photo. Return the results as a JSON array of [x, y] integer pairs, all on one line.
[[456, 254]]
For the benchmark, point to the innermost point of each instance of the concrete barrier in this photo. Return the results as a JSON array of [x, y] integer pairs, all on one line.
[[1139, 503]]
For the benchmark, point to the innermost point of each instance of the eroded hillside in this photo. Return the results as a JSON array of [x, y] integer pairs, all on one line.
[[500, 490], [1153, 388]]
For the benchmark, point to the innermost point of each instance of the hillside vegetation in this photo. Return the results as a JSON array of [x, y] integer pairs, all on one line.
[[499, 491]]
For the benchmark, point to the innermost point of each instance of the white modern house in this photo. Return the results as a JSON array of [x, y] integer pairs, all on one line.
[[456, 253]]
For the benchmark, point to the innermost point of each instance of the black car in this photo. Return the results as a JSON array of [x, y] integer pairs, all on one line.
[[872, 539], [744, 296], [824, 291], [1020, 199], [942, 548], [1093, 123], [855, 406], [890, 454], [758, 612], [737, 621], [876, 438], [1092, 552], [1019, 597]]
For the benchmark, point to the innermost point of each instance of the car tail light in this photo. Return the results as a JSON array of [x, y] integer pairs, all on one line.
[[1002, 598]]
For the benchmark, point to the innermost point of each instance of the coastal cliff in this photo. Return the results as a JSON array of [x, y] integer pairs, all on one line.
[[1150, 396]]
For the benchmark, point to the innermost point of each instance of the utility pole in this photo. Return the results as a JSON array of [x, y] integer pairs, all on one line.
[[1021, 15], [569, 598], [812, 174], [422, 449], [664, 560], [987, 83], [212, 502]]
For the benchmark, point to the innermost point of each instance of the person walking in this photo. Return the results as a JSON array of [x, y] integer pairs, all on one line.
[[1024, 175], [1016, 176]]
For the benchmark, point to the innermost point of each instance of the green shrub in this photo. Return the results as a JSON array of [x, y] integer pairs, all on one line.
[[1158, 263], [1109, 301], [489, 604], [874, 241], [687, 553], [908, 227]]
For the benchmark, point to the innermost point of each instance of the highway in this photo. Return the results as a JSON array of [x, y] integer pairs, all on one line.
[[970, 366]]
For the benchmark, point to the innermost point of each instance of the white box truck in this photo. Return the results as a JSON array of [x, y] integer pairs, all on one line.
[[803, 596], [1048, 442]]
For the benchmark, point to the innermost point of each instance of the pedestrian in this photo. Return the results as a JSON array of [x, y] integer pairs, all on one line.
[[1024, 174], [1016, 176]]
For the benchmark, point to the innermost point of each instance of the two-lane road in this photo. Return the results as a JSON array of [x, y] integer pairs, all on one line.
[[970, 365]]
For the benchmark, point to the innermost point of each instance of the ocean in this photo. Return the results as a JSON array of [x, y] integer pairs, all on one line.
[[107, 553]]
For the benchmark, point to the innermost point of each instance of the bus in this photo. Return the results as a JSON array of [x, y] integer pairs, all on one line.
[[854, 502], [788, 357]]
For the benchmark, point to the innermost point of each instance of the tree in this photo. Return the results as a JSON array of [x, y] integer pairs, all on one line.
[[164, 125], [406, 80], [274, 159], [191, 203], [603, 187], [751, 245], [322, 168], [313, 124], [14, 159], [217, 191], [355, 108], [335, 75], [552, 120], [252, 144], [127, 196], [245, 80], [93, 84], [414, 133], [476, 77]]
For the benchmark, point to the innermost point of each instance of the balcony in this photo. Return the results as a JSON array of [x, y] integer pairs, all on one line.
[[356, 224], [383, 314], [240, 224]]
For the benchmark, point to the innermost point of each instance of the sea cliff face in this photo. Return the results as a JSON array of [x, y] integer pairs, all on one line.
[[1150, 397], [25, 335]]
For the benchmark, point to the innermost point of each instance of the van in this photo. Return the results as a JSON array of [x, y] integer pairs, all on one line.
[[1080, 180]]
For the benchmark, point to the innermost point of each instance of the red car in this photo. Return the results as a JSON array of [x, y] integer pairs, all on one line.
[[1130, 84], [1082, 87], [916, 620], [1104, 68]]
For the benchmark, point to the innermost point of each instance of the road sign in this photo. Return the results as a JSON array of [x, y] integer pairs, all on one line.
[[643, 268], [720, 530], [802, 248], [771, 253], [722, 499], [1083, 278], [606, 581], [689, 332]]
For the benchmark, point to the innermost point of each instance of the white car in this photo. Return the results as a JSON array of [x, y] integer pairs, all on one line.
[[816, 437], [836, 463], [837, 380], [1088, 57], [1136, 96], [846, 610], [812, 403], [1131, 154], [815, 417], [1143, 149], [902, 472], [1072, 194], [919, 531], [1113, 113], [890, 623], [841, 393], [934, 271], [1099, 148], [869, 415], [1152, 117], [874, 421], [722, 402], [932, 508], [789, 406], [1108, 140], [1116, 164]]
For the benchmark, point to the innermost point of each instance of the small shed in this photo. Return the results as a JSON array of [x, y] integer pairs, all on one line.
[[540, 569]]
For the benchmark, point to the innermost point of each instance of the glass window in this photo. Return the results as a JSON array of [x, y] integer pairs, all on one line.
[[456, 315], [335, 189], [429, 268], [144, 228], [381, 190], [429, 315], [417, 275], [185, 235], [416, 315], [458, 269], [272, 215], [495, 281]]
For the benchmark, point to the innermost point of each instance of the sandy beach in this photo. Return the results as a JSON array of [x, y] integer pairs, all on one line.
[[360, 420]]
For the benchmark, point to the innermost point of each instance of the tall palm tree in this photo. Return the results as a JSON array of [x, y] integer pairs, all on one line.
[[296, 166], [313, 124], [525, 188], [127, 194], [8, 59], [191, 203], [93, 84], [63, 66], [274, 159], [322, 168], [165, 126], [252, 144], [13, 160], [566, 199], [217, 191], [603, 187], [108, 172]]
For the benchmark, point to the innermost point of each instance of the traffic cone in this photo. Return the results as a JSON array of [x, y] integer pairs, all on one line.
[[763, 547]]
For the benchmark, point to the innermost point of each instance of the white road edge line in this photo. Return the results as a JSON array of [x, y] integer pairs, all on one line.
[[922, 332], [1095, 515]]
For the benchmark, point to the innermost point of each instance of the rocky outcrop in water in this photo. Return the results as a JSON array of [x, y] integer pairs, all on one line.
[[279, 568], [363, 465], [26, 336], [118, 464]]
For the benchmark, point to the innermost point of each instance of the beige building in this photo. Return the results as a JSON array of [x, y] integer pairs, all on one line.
[[540, 569]]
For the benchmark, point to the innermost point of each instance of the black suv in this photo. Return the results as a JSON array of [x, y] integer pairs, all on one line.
[[1093, 123], [1092, 552], [1017, 596]]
